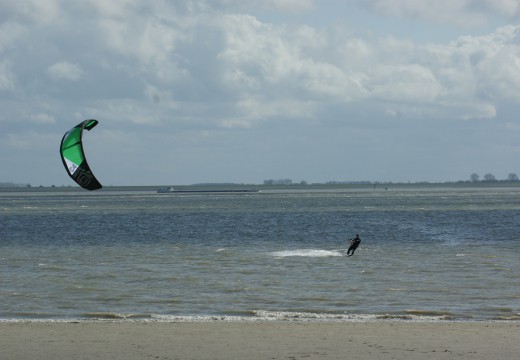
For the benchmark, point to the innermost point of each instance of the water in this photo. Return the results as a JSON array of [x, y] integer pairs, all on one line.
[[430, 254]]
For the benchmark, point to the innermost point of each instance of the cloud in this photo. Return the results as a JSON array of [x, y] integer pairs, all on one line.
[[26, 141], [281, 63], [158, 61], [6, 76], [64, 70], [284, 6], [36, 11], [42, 118], [10, 32], [288, 64], [465, 13], [497, 64]]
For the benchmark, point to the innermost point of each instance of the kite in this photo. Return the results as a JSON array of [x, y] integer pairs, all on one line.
[[71, 151]]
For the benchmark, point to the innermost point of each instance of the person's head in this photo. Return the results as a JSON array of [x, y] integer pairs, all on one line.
[[357, 235]]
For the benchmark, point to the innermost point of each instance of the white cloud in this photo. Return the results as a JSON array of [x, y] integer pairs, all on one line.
[[404, 83], [288, 63], [169, 51], [507, 8], [235, 123], [264, 5], [149, 40], [42, 118], [261, 108], [255, 60], [10, 32], [64, 70], [497, 65], [6, 76], [464, 13], [114, 8], [291, 5], [36, 11], [283, 62], [27, 140], [513, 126]]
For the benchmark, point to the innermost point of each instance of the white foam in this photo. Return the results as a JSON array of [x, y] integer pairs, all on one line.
[[307, 253]]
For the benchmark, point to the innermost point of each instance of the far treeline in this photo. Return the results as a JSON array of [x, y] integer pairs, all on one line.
[[490, 177], [474, 178]]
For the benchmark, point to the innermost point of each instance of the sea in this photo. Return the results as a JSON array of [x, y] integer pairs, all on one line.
[[427, 254]]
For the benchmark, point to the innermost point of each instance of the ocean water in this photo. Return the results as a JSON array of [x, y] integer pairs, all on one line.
[[432, 254]]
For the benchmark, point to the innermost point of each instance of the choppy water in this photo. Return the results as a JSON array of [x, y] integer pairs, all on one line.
[[426, 254]]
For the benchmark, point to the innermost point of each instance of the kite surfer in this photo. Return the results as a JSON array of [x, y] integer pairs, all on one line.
[[354, 243]]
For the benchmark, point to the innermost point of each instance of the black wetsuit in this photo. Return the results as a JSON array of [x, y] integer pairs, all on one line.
[[353, 247]]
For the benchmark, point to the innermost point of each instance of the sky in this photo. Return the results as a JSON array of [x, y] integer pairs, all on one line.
[[244, 91]]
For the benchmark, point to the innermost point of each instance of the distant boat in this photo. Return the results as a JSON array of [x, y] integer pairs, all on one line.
[[165, 190], [168, 190]]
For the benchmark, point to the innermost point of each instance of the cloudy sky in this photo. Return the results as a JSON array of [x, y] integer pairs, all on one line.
[[243, 90]]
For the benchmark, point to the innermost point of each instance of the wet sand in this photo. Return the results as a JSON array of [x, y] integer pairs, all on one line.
[[259, 340]]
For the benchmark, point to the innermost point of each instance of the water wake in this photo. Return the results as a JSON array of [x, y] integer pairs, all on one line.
[[306, 253]]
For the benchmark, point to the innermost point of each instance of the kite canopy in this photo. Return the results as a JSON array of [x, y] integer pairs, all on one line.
[[71, 151]]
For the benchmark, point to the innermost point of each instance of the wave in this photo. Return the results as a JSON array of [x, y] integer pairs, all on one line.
[[422, 316], [304, 316], [115, 316], [513, 317], [306, 253]]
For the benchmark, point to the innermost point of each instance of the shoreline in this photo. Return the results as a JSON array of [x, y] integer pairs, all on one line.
[[352, 186], [226, 319], [260, 340]]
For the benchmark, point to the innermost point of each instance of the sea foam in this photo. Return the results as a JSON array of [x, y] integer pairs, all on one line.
[[306, 252]]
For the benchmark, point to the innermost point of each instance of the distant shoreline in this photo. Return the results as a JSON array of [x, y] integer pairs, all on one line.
[[262, 187]]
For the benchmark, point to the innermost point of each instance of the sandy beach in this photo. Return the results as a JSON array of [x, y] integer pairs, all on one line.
[[259, 340]]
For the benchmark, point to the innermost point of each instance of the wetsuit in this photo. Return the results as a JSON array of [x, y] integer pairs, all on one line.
[[354, 246]]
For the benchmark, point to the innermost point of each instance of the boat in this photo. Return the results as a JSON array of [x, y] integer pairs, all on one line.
[[165, 190], [169, 190]]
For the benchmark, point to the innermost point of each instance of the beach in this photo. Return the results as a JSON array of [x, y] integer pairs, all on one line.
[[259, 340]]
